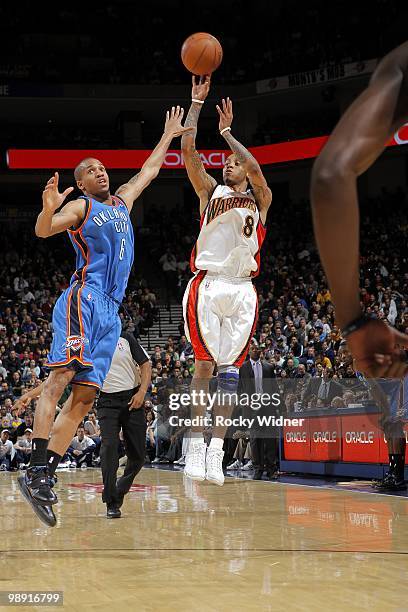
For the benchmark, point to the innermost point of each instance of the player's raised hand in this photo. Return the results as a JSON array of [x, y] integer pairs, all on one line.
[[173, 125], [201, 87], [225, 113], [377, 350], [52, 198]]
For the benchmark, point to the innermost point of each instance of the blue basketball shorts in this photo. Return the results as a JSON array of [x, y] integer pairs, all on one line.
[[86, 330]]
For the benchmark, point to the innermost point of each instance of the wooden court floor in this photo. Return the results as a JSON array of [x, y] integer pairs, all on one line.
[[189, 546]]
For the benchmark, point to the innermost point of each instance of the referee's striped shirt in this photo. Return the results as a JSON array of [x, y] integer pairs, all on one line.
[[124, 372]]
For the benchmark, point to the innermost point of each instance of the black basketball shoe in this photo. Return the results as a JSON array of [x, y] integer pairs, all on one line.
[[112, 511], [44, 513], [390, 482], [37, 483]]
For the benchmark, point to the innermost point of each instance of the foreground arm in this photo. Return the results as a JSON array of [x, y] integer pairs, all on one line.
[[357, 141], [25, 400], [263, 194], [130, 191], [203, 183]]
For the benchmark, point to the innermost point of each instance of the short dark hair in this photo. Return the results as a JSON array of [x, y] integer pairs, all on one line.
[[81, 167]]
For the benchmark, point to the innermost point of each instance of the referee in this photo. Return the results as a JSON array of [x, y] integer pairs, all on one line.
[[120, 405]]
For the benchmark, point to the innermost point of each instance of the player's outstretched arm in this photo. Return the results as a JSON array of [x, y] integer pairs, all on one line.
[[130, 191], [356, 142], [262, 192], [25, 400], [203, 183], [71, 215]]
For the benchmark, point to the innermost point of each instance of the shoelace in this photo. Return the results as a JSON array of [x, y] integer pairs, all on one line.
[[41, 475], [197, 455], [214, 460]]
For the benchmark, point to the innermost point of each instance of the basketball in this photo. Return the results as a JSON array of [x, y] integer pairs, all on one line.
[[201, 53]]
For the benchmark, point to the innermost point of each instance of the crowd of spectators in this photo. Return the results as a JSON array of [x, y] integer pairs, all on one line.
[[297, 331]]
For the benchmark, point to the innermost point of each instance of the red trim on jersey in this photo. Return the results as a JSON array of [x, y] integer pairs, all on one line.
[[193, 259], [260, 234], [81, 325], [202, 217], [242, 356], [200, 350], [193, 255], [60, 364], [67, 350]]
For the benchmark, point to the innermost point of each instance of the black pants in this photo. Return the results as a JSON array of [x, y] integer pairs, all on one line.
[[114, 413], [265, 453]]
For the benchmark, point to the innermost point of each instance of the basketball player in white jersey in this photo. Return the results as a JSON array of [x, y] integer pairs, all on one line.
[[220, 303]]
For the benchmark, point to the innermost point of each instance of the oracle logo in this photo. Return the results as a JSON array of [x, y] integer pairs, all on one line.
[[325, 436], [175, 159], [363, 519], [326, 516], [359, 437], [296, 510], [401, 135], [295, 436]]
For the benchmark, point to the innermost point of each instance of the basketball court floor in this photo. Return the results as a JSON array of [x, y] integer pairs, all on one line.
[[182, 545]]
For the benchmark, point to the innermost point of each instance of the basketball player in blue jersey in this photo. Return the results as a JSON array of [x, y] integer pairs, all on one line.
[[86, 325]]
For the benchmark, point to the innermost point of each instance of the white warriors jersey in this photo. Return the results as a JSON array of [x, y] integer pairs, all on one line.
[[231, 235]]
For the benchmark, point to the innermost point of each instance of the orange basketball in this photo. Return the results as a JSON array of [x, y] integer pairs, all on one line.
[[201, 53]]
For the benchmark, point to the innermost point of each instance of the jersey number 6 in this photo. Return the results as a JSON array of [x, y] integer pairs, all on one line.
[[122, 248]]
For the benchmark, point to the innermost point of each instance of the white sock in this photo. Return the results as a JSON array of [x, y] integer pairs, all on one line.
[[217, 443], [196, 437]]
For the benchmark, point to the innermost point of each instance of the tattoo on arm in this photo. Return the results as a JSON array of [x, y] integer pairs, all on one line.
[[198, 166], [192, 119], [242, 153], [134, 179], [196, 163], [131, 181], [262, 193], [194, 159]]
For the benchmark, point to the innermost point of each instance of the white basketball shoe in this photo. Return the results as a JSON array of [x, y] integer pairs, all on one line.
[[195, 460], [213, 461]]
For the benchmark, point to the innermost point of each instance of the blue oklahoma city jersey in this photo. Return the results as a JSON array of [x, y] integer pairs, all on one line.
[[85, 319], [104, 246]]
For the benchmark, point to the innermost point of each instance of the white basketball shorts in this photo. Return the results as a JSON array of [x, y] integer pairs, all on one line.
[[220, 316]]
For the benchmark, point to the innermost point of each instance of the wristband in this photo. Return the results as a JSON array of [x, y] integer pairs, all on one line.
[[355, 325], [198, 101], [227, 129]]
